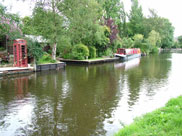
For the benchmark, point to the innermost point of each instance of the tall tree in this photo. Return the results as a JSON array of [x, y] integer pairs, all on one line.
[[48, 21], [122, 25], [112, 10], [27, 26], [82, 20], [136, 19]]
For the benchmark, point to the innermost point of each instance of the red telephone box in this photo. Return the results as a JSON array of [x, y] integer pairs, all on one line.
[[20, 53]]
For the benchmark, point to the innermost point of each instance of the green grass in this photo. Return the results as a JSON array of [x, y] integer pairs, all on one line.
[[166, 121]]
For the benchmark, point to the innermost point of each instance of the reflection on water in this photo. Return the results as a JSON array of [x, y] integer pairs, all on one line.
[[128, 64], [87, 100]]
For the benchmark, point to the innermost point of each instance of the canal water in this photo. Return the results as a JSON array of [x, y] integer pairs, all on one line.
[[93, 100]]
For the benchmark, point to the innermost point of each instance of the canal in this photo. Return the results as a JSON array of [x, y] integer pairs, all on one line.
[[93, 100]]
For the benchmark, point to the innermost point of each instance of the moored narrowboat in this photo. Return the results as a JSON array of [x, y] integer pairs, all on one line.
[[126, 54]]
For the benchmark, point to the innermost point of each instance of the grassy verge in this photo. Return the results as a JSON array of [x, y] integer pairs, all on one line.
[[166, 121]]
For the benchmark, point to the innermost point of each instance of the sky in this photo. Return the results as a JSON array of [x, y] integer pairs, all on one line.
[[170, 9]]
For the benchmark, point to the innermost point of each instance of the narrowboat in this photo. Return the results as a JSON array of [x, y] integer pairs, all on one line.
[[127, 54]]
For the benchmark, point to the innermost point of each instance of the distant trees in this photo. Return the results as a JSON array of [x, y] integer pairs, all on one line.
[[178, 42], [162, 26]]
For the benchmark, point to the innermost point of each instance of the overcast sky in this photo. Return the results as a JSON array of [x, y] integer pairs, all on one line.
[[171, 9]]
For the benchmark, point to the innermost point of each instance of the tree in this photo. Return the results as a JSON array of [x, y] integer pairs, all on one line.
[[122, 26], [160, 25], [48, 22], [136, 19], [27, 27], [180, 40], [9, 24], [113, 13], [82, 20], [138, 39], [127, 42], [112, 10], [154, 38]]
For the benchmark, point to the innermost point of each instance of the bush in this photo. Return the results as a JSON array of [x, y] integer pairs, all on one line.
[[155, 50], [127, 42], [145, 48], [2, 49], [117, 44], [92, 52], [34, 49], [80, 52], [109, 52], [64, 47], [46, 58]]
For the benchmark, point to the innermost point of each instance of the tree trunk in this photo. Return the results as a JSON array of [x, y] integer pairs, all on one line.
[[54, 51]]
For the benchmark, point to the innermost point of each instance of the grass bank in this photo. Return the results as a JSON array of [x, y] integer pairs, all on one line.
[[166, 121]]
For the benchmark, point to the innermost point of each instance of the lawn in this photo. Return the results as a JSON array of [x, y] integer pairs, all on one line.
[[166, 121]]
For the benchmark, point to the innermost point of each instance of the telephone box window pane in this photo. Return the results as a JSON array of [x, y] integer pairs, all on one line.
[[23, 51]]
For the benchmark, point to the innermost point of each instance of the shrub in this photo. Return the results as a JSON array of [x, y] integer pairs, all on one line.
[[34, 49], [127, 42], [145, 48], [155, 50], [92, 52], [64, 47], [117, 44], [46, 58], [80, 51], [109, 52], [2, 48]]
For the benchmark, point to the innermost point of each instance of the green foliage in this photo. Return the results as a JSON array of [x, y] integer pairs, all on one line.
[[112, 9], [161, 25], [47, 23], [64, 46], [2, 48], [136, 19], [80, 52], [117, 44], [34, 49], [46, 58], [155, 50], [176, 45], [9, 25], [154, 38], [127, 42], [145, 47], [82, 20], [27, 27], [138, 39], [70, 22], [101, 39], [165, 121], [92, 52], [180, 41], [108, 52]]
